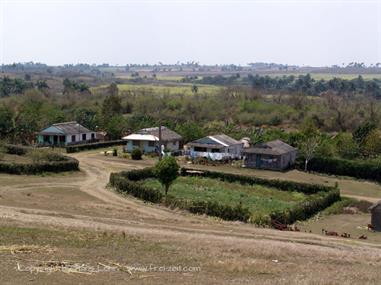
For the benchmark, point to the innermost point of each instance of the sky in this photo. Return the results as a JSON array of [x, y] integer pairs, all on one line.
[[304, 32]]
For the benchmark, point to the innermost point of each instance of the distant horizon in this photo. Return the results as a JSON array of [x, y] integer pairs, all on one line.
[[342, 65]]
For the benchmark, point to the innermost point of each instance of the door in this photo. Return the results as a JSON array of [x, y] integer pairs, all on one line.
[[258, 161]]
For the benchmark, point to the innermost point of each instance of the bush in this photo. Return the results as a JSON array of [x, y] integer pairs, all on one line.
[[136, 154], [283, 185], [90, 146], [115, 152], [320, 197], [336, 166], [42, 162], [124, 185], [166, 171]]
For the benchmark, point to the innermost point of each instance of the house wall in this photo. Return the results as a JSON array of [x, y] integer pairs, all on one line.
[[78, 138], [272, 162], [145, 147], [172, 146], [232, 152], [376, 218], [142, 145]]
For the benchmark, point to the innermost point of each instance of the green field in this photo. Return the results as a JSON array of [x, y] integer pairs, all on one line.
[[173, 89], [258, 199], [185, 89]]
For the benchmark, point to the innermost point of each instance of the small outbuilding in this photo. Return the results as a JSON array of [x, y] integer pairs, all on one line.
[[375, 211], [273, 155], [66, 133], [147, 140]]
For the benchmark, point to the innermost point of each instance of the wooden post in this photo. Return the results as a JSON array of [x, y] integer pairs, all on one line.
[[159, 141]]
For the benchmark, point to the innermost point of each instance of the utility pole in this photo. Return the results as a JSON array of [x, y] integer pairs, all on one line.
[[159, 140]]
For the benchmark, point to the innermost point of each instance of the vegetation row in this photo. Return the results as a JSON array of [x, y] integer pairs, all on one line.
[[319, 197], [89, 146], [42, 162]]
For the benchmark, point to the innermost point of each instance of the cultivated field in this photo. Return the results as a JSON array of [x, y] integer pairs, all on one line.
[[74, 217], [258, 199]]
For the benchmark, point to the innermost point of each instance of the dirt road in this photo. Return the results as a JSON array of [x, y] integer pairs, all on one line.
[[46, 202]]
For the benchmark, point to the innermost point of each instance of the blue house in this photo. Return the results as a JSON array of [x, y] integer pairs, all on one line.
[[67, 133], [147, 140]]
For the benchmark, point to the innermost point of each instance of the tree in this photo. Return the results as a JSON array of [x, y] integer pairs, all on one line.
[[190, 131], [6, 121], [311, 141], [113, 89], [166, 171], [41, 85], [194, 89], [115, 127], [346, 146], [362, 131], [308, 149], [112, 105], [372, 144]]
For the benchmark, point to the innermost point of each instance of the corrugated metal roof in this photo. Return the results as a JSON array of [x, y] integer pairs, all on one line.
[[140, 137], [66, 128], [166, 134], [215, 141], [276, 147]]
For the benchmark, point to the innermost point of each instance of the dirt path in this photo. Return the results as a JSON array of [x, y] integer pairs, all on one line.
[[137, 217]]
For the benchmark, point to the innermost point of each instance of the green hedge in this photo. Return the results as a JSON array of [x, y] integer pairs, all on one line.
[[123, 185], [319, 197], [58, 163], [17, 149], [90, 146], [283, 185], [359, 169]]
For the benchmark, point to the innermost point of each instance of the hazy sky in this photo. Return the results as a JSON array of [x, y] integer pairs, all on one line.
[[118, 32]]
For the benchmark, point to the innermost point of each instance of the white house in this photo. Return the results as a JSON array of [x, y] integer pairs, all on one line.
[[64, 134], [216, 147], [147, 140]]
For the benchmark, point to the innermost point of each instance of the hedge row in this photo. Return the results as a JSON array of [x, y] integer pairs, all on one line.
[[70, 164], [359, 169], [17, 149], [58, 163], [211, 208], [89, 146], [126, 182], [306, 209], [283, 185], [319, 198], [123, 185]]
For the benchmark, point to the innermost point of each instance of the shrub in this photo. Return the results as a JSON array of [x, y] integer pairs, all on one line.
[[123, 185], [115, 152], [90, 146], [166, 171], [319, 198], [336, 166], [136, 154], [42, 162]]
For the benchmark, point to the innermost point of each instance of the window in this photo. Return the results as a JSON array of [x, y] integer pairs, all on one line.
[[84, 137], [73, 138], [151, 143], [92, 136], [215, 150], [201, 149], [135, 143]]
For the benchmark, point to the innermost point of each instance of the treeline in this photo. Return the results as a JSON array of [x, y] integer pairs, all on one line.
[[291, 84]]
